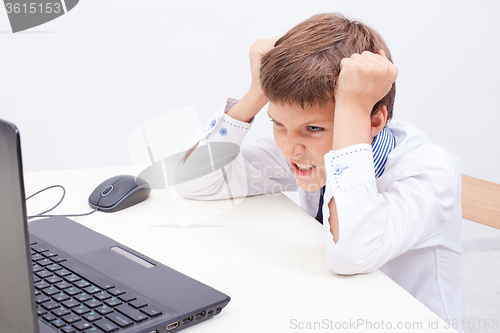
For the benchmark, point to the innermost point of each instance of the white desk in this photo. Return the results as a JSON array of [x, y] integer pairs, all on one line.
[[266, 253]]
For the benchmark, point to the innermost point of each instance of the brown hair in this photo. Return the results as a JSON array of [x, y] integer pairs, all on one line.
[[304, 66]]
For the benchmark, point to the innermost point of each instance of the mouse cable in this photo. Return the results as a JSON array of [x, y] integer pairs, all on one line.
[[57, 204]]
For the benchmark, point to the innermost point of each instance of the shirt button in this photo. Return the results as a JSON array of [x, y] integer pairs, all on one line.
[[223, 131], [337, 170], [212, 124]]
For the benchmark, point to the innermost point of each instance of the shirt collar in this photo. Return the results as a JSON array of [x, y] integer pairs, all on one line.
[[382, 145]]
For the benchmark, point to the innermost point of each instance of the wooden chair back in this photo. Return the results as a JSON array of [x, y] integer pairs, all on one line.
[[481, 201]]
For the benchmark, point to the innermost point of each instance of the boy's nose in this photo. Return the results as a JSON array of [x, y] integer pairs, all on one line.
[[292, 146]]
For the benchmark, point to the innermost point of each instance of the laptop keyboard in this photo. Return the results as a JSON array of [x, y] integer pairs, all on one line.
[[72, 299]]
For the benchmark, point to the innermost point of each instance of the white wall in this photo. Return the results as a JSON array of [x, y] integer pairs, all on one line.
[[77, 86]]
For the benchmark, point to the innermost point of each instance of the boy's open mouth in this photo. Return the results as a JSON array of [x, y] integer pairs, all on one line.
[[302, 170]]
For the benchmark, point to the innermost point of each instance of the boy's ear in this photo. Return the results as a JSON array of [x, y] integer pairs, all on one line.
[[378, 121]]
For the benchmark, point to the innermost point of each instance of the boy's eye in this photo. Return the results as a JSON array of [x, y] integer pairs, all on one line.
[[276, 123], [314, 128]]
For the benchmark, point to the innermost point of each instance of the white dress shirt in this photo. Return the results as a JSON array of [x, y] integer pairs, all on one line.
[[407, 222]]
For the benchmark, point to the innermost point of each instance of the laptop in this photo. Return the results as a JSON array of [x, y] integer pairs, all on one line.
[[59, 276]]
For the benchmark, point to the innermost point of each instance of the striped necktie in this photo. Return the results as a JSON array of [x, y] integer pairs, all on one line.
[[319, 216], [382, 145]]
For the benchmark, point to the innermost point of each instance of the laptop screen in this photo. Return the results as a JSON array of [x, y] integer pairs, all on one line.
[[17, 309]]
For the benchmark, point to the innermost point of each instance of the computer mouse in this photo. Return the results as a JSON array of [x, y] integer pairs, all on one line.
[[118, 193]]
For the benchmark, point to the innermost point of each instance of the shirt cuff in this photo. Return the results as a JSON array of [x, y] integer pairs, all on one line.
[[349, 166], [223, 128]]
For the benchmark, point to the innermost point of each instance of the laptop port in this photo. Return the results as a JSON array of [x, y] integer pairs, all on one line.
[[172, 326], [211, 312], [218, 310], [199, 315], [187, 320]]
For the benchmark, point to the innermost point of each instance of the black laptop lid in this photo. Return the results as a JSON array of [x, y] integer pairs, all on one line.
[[17, 308]]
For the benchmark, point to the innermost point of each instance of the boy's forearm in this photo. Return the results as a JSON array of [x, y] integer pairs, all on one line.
[[351, 126], [248, 106]]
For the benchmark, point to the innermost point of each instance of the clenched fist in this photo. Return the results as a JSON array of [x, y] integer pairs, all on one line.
[[258, 49], [364, 79]]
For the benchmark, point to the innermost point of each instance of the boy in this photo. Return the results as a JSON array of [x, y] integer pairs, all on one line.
[[388, 198]]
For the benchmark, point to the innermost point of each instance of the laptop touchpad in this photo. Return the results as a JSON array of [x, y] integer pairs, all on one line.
[[115, 263], [132, 257]]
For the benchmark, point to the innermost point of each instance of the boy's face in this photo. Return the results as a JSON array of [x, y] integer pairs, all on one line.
[[304, 136]]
